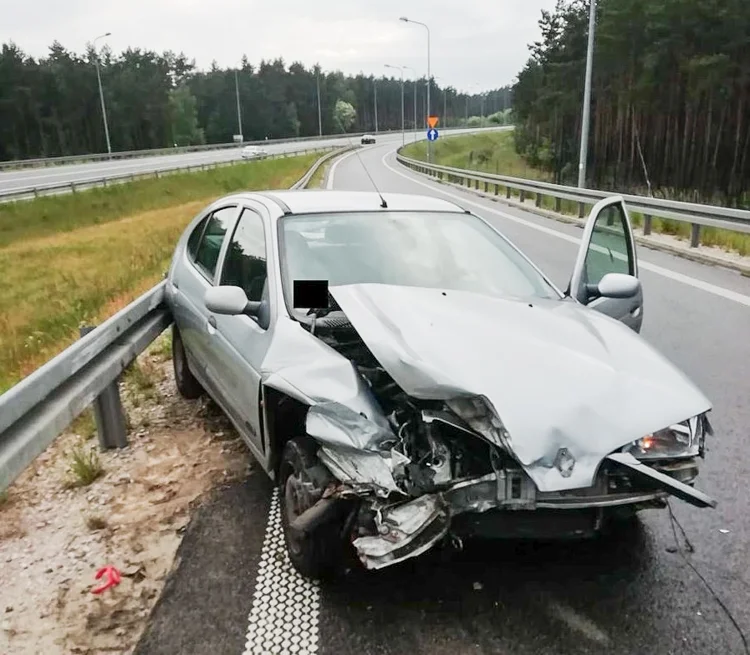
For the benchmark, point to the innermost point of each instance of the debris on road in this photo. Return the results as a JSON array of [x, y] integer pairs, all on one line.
[[54, 537]]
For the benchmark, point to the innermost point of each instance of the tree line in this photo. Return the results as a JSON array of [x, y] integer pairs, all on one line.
[[670, 96], [50, 106]]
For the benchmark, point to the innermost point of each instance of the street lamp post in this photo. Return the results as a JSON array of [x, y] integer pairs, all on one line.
[[320, 121], [429, 76], [375, 88], [445, 103], [239, 113], [401, 68], [587, 99], [415, 100], [101, 92]]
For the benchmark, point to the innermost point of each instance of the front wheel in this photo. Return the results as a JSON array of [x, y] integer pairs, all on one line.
[[318, 554], [186, 382]]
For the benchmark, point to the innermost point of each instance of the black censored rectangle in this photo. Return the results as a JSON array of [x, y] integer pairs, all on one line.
[[310, 294]]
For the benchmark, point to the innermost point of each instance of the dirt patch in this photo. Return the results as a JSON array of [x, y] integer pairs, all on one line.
[[53, 539]]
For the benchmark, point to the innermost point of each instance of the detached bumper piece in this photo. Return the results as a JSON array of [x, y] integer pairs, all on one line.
[[667, 483], [493, 506]]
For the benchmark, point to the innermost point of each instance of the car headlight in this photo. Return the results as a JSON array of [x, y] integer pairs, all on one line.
[[481, 417], [683, 439]]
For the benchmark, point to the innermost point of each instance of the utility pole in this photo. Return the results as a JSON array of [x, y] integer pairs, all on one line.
[[320, 121], [415, 100], [101, 92], [429, 79], [583, 156], [239, 112], [403, 134]]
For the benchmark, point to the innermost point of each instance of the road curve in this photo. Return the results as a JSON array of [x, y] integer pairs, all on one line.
[[630, 593], [17, 180]]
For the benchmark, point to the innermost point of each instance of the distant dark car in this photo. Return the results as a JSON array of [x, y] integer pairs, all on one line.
[[367, 138]]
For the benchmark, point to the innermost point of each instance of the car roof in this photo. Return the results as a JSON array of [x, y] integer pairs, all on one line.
[[316, 201]]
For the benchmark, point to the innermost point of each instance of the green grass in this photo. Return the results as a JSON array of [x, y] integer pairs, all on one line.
[[29, 219], [494, 152], [490, 152], [83, 267], [84, 466]]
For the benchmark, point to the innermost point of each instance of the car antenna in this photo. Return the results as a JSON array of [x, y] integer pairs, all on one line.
[[383, 203]]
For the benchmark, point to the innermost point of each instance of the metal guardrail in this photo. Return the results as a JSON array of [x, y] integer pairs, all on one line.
[[133, 154], [36, 191], [37, 409], [697, 215]]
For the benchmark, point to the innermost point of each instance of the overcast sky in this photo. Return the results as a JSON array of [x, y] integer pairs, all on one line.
[[476, 44]]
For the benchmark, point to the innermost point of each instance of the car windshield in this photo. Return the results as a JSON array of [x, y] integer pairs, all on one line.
[[439, 250]]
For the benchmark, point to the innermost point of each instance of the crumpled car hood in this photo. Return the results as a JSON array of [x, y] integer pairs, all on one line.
[[559, 375]]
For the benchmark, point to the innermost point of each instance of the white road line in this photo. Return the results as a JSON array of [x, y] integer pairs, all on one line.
[[334, 166], [284, 616], [577, 622], [728, 294]]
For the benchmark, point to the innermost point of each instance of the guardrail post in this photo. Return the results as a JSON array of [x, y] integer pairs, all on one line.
[[156, 174], [497, 189], [108, 413], [486, 186], [507, 192], [476, 184], [538, 201], [580, 210], [695, 235], [72, 187], [36, 192], [646, 224], [522, 195], [558, 205]]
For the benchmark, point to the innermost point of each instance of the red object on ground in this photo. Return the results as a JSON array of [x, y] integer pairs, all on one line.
[[113, 578]]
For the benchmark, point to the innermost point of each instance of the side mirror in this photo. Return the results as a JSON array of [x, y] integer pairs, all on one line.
[[614, 285], [229, 300]]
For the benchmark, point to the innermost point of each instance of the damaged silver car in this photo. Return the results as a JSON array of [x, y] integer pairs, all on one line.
[[408, 377]]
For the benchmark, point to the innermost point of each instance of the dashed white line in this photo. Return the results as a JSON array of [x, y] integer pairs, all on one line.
[[728, 294], [283, 619]]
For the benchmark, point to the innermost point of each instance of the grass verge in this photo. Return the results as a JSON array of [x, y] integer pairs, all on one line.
[[86, 272], [494, 152], [28, 219]]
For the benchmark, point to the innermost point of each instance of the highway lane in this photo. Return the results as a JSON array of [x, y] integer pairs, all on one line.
[[31, 177], [628, 593]]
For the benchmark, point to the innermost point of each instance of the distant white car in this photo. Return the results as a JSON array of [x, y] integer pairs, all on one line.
[[254, 152], [367, 138]]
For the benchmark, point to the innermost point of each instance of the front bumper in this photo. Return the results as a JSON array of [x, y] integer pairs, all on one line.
[[507, 504]]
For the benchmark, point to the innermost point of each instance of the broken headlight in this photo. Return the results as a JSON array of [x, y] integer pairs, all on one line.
[[482, 418], [680, 440]]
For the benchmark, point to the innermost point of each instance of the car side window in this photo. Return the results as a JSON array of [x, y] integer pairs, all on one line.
[[213, 236], [245, 262], [609, 249], [195, 238]]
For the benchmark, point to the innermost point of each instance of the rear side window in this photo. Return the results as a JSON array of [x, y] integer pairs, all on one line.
[[195, 238], [245, 263], [213, 236]]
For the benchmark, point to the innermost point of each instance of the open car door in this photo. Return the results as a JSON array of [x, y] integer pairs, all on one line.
[[608, 247]]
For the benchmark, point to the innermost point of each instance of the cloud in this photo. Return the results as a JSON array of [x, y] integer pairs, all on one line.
[[480, 42]]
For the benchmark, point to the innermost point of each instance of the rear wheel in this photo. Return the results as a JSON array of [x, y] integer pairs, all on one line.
[[186, 383], [319, 553]]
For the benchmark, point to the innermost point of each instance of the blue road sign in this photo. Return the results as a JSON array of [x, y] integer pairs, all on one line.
[[432, 134]]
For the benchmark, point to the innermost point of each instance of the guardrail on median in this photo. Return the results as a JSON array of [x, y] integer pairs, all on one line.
[[133, 154], [36, 410], [697, 215], [98, 180]]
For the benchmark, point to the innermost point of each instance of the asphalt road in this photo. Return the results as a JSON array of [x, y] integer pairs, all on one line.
[[80, 173], [631, 592]]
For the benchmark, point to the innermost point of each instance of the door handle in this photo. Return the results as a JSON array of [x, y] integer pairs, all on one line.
[[212, 321]]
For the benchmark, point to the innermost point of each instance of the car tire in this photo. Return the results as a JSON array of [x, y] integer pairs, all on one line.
[[186, 383], [319, 554]]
